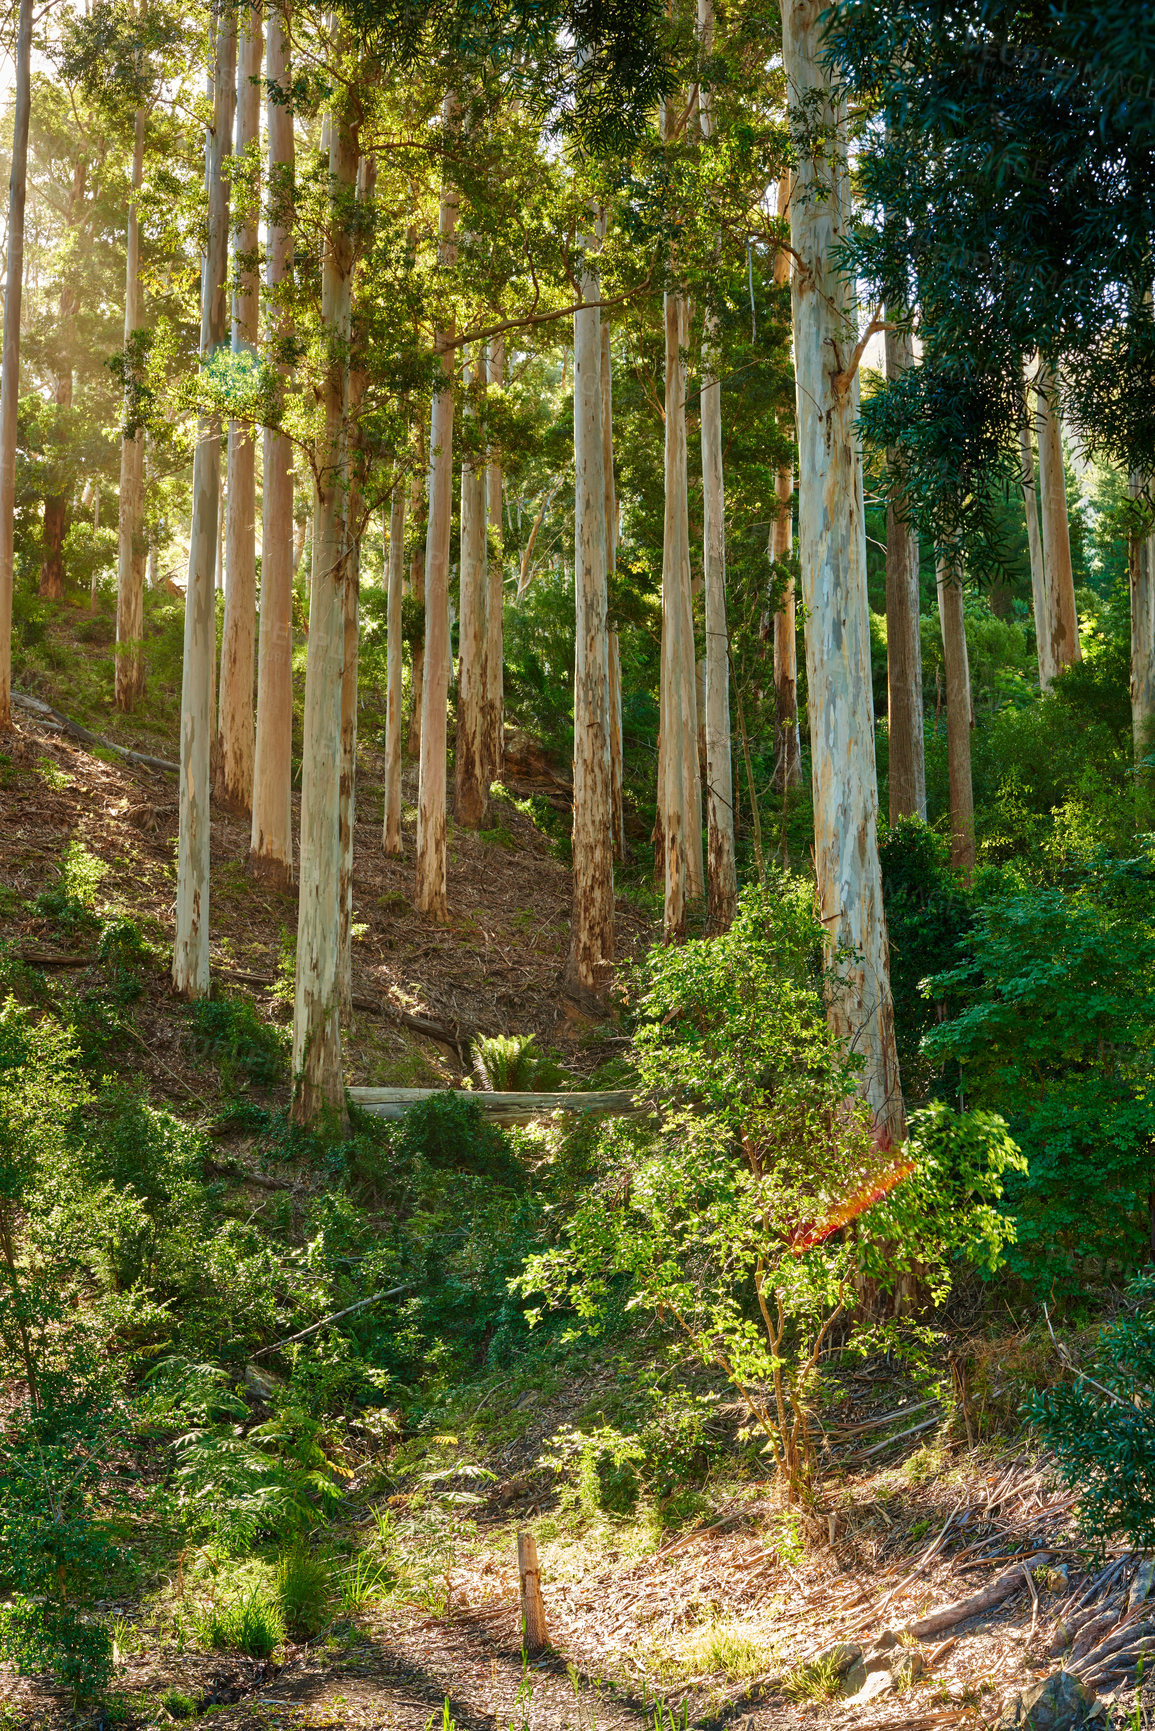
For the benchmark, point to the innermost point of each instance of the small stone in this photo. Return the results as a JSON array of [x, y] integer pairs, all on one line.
[[885, 1641], [262, 1383], [1059, 1703]]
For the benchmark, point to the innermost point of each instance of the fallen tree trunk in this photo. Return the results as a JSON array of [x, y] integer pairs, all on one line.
[[993, 1594], [502, 1108], [36, 706]]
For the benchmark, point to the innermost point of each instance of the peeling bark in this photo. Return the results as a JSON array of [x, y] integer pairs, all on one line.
[[431, 831], [234, 785], [419, 509], [318, 1083], [591, 956], [903, 642], [494, 741], [956, 667], [1060, 583], [787, 742], [471, 785], [271, 839], [1041, 606], [10, 358], [832, 557], [394, 577], [615, 649], [190, 962]]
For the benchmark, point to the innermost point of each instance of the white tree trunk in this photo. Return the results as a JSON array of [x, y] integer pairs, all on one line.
[[10, 359], [615, 651], [787, 739], [1060, 583], [1041, 606], [1142, 576], [131, 550], [903, 643], [271, 841], [676, 693], [832, 556], [418, 507], [395, 577], [235, 757], [495, 644], [693, 669], [431, 833], [317, 1077], [591, 955], [956, 670], [190, 962], [471, 784]]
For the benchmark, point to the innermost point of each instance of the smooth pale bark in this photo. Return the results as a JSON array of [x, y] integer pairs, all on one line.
[[1060, 583], [721, 870], [832, 559], [1040, 604], [591, 954], [271, 840], [57, 511], [419, 508], [787, 740], [903, 642], [471, 785], [495, 601], [693, 670], [235, 703], [131, 551], [10, 357], [675, 695], [190, 961], [615, 649], [431, 831], [318, 1083], [1142, 578], [394, 583], [956, 667]]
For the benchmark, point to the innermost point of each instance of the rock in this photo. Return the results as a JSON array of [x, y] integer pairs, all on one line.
[[837, 1658], [878, 1672], [262, 1383], [1059, 1703], [885, 1641], [1059, 1640]]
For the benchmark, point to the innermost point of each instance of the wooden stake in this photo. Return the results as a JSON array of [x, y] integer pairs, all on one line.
[[532, 1603]]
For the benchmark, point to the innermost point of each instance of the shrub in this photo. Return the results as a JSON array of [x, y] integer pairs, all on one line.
[[37, 1636], [304, 1583], [506, 1063], [246, 1049], [246, 1621]]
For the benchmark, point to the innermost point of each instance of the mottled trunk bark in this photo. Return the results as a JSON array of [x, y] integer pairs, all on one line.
[[318, 1083], [394, 582], [956, 670], [677, 693], [471, 785], [10, 358], [903, 642], [721, 870], [1041, 608], [832, 558], [589, 968], [431, 832], [1060, 583], [57, 512], [132, 550], [271, 841], [234, 784], [787, 740], [495, 601], [615, 651], [419, 510], [190, 962]]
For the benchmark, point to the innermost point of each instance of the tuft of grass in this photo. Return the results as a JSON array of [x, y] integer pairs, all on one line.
[[812, 1682], [178, 1706], [251, 1622], [304, 1583], [733, 1650], [366, 1578]]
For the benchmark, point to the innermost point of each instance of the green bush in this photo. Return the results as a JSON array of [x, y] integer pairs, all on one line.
[[36, 1636], [247, 1621], [304, 1583], [928, 916], [246, 1049]]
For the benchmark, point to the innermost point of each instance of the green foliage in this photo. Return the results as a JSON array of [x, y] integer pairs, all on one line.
[[247, 1620], [928, 914], [507, 1063], [304, 1582], [1101, 1428], [35, 1636], [245, 1048], [1054, 1028], [69, 903]]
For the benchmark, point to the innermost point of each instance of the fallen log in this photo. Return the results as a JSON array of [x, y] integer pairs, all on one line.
[[502, 1108], [992, 1594], [84, 735], [457, 1035]]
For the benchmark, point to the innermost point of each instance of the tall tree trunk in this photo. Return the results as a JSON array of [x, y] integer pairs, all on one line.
[[235, 758], [903, 642], [10, 359], [693, 669], [787, 740], [956, 667], [832, 557], [676, 692], [615, 650], [394, 581], [1041, 606], [1142, 576], [1060, 582], [131, 550], [190, 962], [271, 840], [495, 602], [471, 786], [721, 874], [419, 511], [317, 1077], [56, 505], [591, 954], [431, 833]]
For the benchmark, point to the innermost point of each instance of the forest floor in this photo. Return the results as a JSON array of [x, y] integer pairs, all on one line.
[[710, 1627]]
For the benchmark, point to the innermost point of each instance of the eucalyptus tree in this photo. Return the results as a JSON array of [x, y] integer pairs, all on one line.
[[904, 707], [10, 355]]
